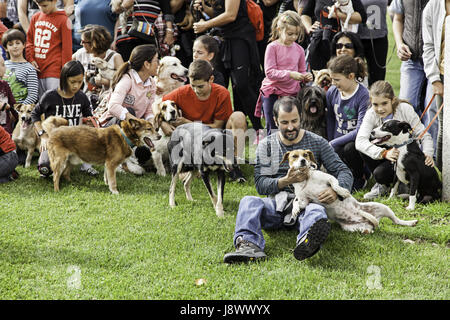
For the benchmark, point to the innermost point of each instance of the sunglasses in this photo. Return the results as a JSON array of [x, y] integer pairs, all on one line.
[[346, 45]]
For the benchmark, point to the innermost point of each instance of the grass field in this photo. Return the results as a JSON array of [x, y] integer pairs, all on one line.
[[84, 243]]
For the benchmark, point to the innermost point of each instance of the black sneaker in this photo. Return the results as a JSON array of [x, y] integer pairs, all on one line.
[[313, 240], [245, 251]]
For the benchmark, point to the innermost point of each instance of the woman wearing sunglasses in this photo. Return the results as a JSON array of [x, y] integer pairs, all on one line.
[[348, 43]]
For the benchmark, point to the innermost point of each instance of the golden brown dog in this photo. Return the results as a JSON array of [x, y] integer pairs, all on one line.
[[348, 212], [110, 146], [322, 78], [24, 135]]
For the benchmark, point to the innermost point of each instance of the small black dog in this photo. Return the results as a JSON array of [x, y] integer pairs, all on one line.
[[196, 147], [313, 103], [424, 183]]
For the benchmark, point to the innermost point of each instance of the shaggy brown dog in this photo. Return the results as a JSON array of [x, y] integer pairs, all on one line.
[[322, 79], [110, 146], [313, 103]]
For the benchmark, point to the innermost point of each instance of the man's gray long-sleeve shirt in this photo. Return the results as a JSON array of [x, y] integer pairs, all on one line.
[[269, 154]]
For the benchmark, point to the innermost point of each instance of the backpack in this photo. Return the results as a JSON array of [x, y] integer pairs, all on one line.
[[255, 16]]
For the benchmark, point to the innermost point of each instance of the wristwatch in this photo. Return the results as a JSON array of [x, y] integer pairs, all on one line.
[[41, 132]]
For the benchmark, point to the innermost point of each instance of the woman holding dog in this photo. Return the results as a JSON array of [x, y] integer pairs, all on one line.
[[96, 41], [380, 161], [347, 102]]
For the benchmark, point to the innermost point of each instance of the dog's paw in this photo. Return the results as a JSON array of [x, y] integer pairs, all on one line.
[[161, 172], [114, 192], [410, 207]]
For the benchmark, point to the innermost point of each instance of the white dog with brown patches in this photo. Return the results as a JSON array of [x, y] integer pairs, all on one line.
[[164, 111], [348, 212]]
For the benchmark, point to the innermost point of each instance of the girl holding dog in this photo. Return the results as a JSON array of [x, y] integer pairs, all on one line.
[[284, 63], [347, 102], [69, 102], [380, 161]]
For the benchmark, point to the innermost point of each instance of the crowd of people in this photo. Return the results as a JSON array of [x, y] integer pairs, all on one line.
[[49, 49]]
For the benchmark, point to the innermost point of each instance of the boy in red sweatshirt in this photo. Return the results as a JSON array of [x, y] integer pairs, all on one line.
[[49, 43]]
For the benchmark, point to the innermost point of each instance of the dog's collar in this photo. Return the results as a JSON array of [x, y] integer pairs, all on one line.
[[410, 140], [127, 139]]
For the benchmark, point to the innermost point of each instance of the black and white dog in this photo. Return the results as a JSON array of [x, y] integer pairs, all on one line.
[[411, 168], [196, 147]]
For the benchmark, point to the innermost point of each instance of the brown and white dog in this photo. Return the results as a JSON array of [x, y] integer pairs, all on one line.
[[348, 212], [164, 111], [171, 75], [24, 135], [109, 146], [322, 79]]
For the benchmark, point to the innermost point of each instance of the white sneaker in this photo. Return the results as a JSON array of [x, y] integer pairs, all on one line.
[[88, 169], [378, 190]]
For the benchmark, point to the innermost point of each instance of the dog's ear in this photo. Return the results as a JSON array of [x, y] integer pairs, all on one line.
[[135, 124], [180, 112], [285, 157], [18, 106], [211, 139], [312, 160], [157, 121], [404, 126], [315, 73]]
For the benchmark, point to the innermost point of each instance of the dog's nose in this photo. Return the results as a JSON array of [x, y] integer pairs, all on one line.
[[173, 113], [303, 162]]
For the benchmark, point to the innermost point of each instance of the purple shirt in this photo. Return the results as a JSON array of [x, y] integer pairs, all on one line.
[[345, 115]]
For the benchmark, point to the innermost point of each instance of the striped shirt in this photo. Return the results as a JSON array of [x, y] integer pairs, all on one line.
[[148, 11], [23, 80], [270, 152]]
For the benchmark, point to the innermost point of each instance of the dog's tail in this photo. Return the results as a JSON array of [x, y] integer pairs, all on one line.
[[378, 210], [53, 122]]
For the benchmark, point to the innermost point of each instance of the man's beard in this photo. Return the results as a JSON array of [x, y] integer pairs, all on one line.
[[290, 135]]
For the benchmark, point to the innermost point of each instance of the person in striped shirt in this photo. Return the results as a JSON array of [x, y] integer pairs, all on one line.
[[20, 74], [275, 179]]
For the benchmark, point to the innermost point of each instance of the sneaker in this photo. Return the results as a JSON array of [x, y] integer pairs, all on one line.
[[89, 170], [359, 184], [378, 190], [312, 241], [44, 171], [245, 251], [15, 175]]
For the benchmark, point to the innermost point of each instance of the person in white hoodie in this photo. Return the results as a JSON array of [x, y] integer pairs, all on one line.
[[433, 33], [380, 161]]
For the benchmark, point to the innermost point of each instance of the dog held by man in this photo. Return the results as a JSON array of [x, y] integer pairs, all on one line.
[[275, 179]]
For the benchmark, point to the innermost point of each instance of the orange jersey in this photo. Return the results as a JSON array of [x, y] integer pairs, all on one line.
[[49, 42], [216, 107]]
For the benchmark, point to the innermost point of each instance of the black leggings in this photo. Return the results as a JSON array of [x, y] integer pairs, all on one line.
[[382, 170], [352, 158], [376, 58], [245, 92]]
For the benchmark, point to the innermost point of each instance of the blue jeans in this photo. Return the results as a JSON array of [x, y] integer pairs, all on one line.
[[257, 213], [267, 106], [412, 77]]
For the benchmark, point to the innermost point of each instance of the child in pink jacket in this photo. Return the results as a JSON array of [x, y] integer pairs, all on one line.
[[285, 65], [133, 87]]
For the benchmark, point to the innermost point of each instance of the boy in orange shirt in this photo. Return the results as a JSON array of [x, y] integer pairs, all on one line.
[[202, 100], [49, 43]]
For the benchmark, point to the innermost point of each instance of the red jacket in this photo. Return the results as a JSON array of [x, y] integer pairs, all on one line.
[[49, 42], [6, 143]]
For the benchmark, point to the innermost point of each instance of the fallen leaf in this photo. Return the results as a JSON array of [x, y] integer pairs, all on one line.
[[409, 241]]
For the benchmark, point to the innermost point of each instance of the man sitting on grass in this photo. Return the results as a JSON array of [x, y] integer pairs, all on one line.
[[275, 180], [202, 100]]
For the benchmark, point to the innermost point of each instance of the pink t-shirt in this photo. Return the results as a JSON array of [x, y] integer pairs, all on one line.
[[279, 61]]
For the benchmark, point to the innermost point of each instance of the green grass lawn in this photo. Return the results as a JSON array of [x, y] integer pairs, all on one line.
[[84, 243]]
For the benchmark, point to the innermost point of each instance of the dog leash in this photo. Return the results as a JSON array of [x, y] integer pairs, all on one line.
[[432, 121]]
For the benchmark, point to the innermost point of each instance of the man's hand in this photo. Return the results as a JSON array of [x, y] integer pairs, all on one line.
[[44, 139], [200, 27], [403, 52], [327, 196], [292, 176], [438, 88], [35, 65], [429, 161]]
